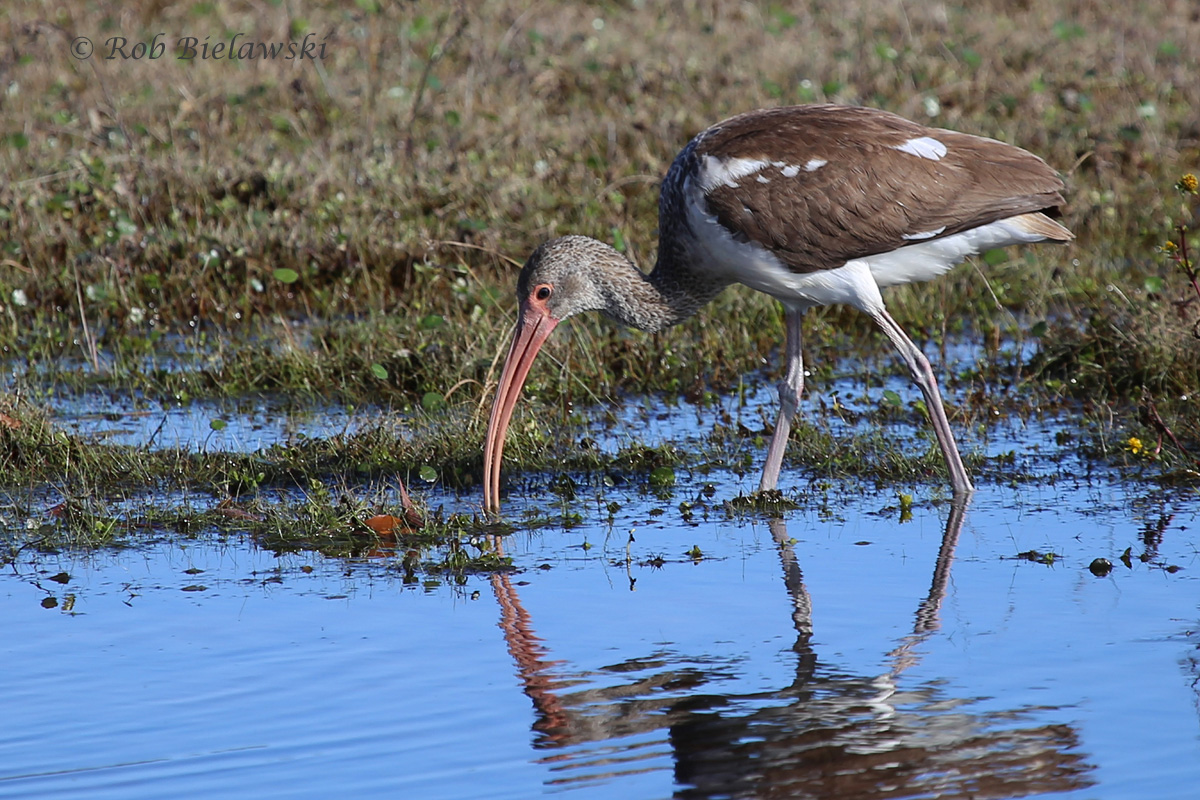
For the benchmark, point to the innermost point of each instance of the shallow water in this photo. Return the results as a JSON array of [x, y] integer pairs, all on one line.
[[839, 653], [843, 650], [240, 427]]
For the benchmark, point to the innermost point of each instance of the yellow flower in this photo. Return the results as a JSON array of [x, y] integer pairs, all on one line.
[[1169, 247], [1188, 183], [1135, 446]]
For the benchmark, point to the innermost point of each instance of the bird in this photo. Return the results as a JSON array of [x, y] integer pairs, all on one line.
[[814, 205]]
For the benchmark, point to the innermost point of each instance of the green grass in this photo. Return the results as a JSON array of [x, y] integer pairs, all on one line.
[[351, 230]]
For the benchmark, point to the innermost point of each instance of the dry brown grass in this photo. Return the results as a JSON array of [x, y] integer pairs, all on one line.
[[411, 170]]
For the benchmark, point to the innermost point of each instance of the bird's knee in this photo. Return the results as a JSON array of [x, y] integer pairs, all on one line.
[[920, 369], [789, 397]]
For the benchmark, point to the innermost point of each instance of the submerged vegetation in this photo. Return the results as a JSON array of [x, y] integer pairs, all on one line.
[[348, 229]]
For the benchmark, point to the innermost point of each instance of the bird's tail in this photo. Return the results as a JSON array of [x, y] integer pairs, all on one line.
[[1039, 224]]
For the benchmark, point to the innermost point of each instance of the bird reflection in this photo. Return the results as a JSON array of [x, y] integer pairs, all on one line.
[[827, 734]]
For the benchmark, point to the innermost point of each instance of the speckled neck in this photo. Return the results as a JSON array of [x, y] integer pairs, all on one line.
[[665, 297]]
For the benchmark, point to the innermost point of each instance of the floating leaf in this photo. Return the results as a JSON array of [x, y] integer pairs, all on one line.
[[379, 371], [892, 398], [433, 401], [563, 486], [286, 275], [432, 321], [428, 474], [662, 476], [218, 424]]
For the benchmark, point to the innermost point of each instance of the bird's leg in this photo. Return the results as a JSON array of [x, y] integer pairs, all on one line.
[[922, 375], [790, 389]]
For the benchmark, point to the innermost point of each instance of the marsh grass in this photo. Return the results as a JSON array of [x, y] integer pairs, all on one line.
[[350, 229]]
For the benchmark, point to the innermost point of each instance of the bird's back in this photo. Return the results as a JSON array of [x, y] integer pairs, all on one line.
[[817, 186]]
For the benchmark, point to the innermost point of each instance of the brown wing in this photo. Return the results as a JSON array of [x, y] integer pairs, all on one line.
[[847, 182]]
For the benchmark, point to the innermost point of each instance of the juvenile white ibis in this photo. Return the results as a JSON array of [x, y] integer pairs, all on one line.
[[813, 205]]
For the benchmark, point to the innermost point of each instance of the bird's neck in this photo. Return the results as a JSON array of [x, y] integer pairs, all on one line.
[[665, 297]]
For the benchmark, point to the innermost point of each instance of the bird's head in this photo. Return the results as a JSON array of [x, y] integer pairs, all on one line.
[[556, 282], [562, 277]]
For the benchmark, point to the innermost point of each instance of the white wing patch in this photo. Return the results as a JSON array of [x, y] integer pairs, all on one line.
[[916, 237], [791, 170], [923, 147], [716, 172]]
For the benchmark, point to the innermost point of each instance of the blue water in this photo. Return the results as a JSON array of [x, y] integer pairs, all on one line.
[[841, 651], [240, 427], [602, 671]]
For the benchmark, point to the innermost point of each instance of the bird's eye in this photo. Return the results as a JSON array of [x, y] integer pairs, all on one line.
[[542, 293]]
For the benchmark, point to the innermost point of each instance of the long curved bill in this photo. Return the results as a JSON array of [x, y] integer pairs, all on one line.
[[534, 326]]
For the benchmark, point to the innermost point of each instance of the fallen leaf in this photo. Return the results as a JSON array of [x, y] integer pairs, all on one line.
[[226, 508], [386, 524]]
